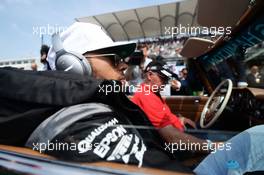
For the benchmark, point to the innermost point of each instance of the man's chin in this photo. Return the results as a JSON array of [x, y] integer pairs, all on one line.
[[123, 82]]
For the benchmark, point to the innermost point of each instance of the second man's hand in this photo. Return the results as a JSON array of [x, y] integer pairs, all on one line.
[[185, 121]]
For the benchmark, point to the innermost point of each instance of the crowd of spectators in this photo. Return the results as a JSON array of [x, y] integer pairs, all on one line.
[[167, 47]]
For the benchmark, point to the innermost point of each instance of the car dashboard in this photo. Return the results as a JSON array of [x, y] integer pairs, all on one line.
[[246, 106]]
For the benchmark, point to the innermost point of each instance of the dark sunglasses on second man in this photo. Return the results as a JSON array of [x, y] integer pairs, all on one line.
[[163, 77]]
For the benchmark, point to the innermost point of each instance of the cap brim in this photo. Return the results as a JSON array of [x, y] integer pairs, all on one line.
[[173, 75], [165, 73], [122, 50]]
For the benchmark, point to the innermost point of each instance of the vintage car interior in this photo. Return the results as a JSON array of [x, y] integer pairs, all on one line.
[[225, 111]]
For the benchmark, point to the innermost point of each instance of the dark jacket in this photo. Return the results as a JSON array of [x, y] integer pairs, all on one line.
[[30, 100]]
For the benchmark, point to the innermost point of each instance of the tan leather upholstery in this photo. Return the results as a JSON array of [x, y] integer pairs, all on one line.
[[188, 106]]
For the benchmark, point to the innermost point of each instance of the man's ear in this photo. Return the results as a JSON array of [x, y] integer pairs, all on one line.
[[93, 63], [148, 75]]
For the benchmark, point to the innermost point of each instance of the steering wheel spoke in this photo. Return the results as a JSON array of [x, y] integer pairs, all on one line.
[[216, 104]]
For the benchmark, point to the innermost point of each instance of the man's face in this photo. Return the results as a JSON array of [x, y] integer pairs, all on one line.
[[155, 79], [254, 69], [104, 68]]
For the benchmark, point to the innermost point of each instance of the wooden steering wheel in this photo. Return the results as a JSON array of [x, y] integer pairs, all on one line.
[[216, 104]]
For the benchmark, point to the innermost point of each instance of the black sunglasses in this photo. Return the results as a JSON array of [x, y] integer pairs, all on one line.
[[163, 77], [116, 59]]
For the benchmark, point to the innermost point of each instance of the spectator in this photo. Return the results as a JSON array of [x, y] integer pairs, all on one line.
[[185, 88], [34, 66], [134, 73], [43, 57], [254, 79]]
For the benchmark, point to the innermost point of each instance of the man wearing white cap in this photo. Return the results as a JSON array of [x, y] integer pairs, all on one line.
[[98, 49]]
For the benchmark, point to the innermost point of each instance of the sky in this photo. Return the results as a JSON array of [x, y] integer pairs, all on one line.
[[22, 20]]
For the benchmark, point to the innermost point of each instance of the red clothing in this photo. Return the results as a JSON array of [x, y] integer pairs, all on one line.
[[155, 108]]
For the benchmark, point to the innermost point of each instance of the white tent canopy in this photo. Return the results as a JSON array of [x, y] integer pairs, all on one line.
[[147, 21]]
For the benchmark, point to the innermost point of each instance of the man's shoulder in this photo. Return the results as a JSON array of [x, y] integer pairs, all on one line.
[[142, 95]]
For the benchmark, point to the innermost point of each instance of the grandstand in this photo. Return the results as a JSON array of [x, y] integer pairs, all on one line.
[[138, 24]]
